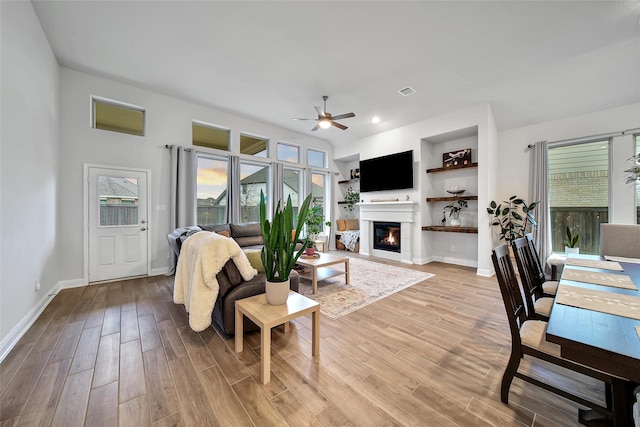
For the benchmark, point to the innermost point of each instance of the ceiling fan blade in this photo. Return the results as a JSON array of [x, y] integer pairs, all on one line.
[[302, 118], [315, 128], [343, 116], [320, 112], [338, 125]]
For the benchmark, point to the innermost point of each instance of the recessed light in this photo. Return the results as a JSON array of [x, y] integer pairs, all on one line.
[[375, 119]]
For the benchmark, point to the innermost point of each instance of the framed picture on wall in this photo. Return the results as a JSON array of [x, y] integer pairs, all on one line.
[[456, 158]]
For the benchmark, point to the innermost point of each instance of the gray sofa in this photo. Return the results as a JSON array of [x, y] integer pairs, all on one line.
[[232, 286]]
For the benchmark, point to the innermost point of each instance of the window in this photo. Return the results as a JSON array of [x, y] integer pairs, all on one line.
[[254, 146], [579, 193], [117, 117], [211, 190], [118, 200], [316, 158], [637, 185], [320, 192], [288, 153], [206, 135], [292, 185], [254, 177]]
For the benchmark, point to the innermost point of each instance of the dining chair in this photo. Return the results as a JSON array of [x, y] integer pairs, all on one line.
[[549, 287], [538, 307], [528, 337]]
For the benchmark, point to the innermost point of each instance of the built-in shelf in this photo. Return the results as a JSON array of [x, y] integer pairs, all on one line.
[[468, 230], [452, 168], [451, 198], [349, 181]]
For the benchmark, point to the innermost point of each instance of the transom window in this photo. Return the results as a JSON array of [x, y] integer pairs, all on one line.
[[206, 135], [288, 153], [254, 145], [316, 158], [116, 116]]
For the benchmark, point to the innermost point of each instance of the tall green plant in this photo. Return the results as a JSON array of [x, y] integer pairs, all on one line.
[[278, 253], [513, 219]]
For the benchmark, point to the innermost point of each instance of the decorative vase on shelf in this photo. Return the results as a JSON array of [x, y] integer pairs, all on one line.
[[277, 292], [455, 220]]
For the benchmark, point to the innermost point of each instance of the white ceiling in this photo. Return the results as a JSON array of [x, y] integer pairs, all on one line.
[[532, 61]]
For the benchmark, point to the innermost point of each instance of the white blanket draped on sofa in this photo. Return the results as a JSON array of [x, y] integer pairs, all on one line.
[[195, 285]]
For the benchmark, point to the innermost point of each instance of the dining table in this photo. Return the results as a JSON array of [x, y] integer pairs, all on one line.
[[595, 320]]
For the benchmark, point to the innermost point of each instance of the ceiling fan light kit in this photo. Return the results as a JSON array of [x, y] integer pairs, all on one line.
[[326, 120]]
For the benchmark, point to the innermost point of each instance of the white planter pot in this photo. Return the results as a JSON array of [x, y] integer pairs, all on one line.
[[455, 221], [277, 292], [568, 250]]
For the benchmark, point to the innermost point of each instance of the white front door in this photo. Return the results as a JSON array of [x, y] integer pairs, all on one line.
[[118, 223]]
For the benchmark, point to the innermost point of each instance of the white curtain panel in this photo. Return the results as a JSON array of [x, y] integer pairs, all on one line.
[[539, 191], [183, 187]]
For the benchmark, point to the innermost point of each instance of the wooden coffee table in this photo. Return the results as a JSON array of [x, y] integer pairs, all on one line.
[[318, 268], [266, 316]]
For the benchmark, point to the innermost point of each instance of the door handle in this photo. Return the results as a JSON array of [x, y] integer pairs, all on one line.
[[143, 229], [143, 221]]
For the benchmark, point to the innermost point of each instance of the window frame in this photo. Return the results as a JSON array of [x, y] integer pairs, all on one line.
[[324, 158], [291, 145], [259, 137], [211, 126]]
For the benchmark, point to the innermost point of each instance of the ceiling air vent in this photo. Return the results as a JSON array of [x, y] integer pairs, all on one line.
[[407, 91]]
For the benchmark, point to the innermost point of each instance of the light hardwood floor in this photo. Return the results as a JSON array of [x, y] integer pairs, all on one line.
[[122, 354]]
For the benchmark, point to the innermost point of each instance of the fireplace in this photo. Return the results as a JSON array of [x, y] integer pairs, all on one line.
[[386, 236]]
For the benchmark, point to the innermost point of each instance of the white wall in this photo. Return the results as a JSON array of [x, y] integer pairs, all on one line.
[[28, 165], [168, 121], [410, 138], [513, 158]]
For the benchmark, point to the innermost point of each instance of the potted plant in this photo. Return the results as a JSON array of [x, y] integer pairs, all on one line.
[[351, 197], [454, 212], [315, 222], [634, 170], [571, 243], [279, 253], [514, 218]]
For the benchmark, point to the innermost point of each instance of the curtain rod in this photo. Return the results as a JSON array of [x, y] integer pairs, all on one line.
[[590, 137], [171, 146]]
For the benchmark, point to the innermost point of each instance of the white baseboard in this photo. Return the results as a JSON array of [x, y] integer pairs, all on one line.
[[23, 326], [484, 272], [162, 271], [74, 283]]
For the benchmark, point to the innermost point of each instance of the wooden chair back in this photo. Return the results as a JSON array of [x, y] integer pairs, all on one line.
[[531, 285], [510, 290], [537, 263]]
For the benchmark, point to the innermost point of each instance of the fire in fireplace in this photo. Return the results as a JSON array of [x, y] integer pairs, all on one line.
[[386, 236]]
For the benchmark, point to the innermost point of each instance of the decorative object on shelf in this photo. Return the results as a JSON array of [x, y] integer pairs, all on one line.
[[279, 254], [457, 158], [456, 190], [355, 173], [454, 212], [571, 243], [384, 200], [351, 197], [315, 222], [444, 218], [514, 219], [634, 171]]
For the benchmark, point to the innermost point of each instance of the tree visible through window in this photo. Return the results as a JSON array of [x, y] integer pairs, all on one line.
[[579, 193]]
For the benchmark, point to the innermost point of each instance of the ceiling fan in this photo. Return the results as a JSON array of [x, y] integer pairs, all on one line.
[[326, 120]]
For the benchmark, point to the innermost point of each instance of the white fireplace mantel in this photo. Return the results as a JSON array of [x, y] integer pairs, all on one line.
[[397, 211]]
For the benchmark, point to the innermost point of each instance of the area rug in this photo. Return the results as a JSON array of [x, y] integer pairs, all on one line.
[[369, 282]]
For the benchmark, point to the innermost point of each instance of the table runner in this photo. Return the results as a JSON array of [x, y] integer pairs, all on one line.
[[601, 301], [594, 263], [607, 279]]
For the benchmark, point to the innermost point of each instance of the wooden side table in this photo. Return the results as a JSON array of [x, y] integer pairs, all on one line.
[[267, 316]]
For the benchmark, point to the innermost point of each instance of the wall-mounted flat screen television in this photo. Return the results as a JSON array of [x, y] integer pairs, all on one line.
[[391, 172]]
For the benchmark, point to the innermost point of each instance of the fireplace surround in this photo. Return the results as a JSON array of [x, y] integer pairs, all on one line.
[[386, 236], [401, 212]]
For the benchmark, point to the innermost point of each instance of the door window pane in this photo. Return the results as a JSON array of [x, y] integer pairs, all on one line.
[[254, 177], [579, 193], [118, 200], [253, 145], [319, 192], [292, 186], [212, 190]]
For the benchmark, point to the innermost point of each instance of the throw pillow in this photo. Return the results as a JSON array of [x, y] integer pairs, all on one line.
[[255, 260], [224, 233]]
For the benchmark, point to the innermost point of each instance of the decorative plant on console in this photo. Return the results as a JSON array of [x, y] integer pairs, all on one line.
[[454, 212], [351, 197], [315, 222], [279, 253], [514, 218], [571, 242]]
